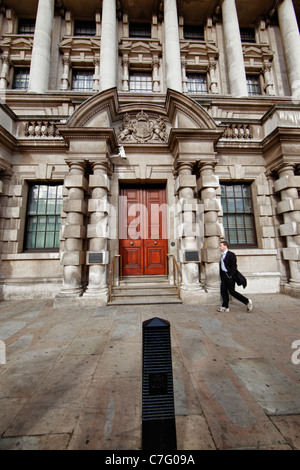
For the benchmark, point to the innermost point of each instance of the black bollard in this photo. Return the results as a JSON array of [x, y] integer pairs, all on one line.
[[158, 411]]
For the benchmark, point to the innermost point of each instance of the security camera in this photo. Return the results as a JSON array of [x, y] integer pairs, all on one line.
[[121, 153]]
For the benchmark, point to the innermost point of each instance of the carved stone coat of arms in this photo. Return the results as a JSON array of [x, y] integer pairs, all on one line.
[[142, 128]]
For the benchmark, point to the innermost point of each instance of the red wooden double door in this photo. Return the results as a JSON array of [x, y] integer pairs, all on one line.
[[143, 238]]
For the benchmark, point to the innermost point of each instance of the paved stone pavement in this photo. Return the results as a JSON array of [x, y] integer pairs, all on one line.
[[72, 378]]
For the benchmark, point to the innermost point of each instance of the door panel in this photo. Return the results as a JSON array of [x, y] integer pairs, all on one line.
[[143, 241], [132, 257], [155, 256]]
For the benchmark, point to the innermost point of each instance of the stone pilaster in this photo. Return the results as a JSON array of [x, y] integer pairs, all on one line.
[[40, 61], [109, 50], [207, 186], [291, 43], [65, 78], [234, 51], [4, 76], [172, 46], [189, 232], [288, 186], [74, 231], [97, 233]]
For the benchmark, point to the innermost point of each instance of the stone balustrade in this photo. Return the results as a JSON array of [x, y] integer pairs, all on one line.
[[41, 129]]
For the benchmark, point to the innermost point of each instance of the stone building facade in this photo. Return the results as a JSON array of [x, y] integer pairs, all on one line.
[[150, 130]]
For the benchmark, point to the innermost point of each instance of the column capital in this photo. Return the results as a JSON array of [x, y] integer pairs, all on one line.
[[204, 166], [286, 167], [184, 167], [77, 165], [101, 166]]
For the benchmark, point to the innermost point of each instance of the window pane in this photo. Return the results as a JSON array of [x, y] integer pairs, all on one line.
[[26, 26], [82, 80], [43, 217], [253, 85], [238, 219], [51, 206], [85, 28], [140, 81], [250, 236], [196, 83], [231, 205], [32, 206], [239, 205], [21, 79], [40, 240], [30, 240], [32, 224], [140, 30], [247, 35], [49, 239], [193, 32]]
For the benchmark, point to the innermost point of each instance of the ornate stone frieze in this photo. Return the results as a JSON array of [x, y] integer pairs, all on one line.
[[141, 129]]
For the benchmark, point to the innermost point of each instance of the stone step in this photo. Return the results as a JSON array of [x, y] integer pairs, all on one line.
[[147, 291], [142, 300], [144, 290]]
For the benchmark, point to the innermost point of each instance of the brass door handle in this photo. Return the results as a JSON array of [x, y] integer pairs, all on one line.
[[131, 243], [155, 242]]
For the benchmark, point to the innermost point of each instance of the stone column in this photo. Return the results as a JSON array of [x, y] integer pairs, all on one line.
[[288, 185], [109, 50], [41, 50], [189, 231], [172, 46], [291, 43], [234, 51], [97, 233], [74, 230], [207, 186]]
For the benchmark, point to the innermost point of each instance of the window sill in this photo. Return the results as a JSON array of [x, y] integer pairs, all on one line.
[[30, 256], [253, 251]]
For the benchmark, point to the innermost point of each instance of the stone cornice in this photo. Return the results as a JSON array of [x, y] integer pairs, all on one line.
[[89, 133]]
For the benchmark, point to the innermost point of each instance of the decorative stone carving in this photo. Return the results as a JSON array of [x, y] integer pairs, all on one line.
[[142, 129]]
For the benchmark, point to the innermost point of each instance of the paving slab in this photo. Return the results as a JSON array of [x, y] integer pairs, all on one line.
[[73, 376]]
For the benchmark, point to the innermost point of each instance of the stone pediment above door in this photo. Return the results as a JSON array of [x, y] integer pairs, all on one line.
[[141, 122]]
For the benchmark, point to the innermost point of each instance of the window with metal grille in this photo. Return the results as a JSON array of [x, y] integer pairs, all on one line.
[[21, 79], [140, 81], [193, 32], [247, 35], [82, 80], [196, 83], [26, 26], [43, 219], [84, 28], [253, 85], [139, 30], [238, 217]]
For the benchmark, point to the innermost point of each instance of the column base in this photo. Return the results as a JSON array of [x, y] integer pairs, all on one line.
[[95, 296], [292, 288], [195, 294]]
